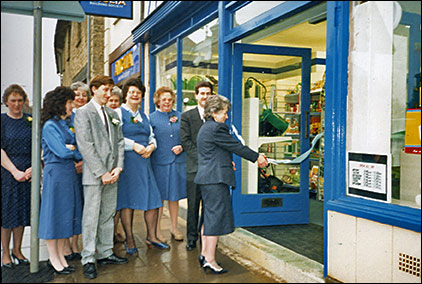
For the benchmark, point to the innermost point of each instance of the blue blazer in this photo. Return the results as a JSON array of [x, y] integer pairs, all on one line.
[[215, 149]]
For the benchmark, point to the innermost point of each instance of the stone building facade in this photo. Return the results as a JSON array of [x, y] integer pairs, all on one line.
[[71, 49]]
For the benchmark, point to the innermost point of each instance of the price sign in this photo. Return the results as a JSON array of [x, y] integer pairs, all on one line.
[[368, 176]]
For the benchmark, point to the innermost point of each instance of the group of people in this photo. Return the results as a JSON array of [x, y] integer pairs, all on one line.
[[105, 149]]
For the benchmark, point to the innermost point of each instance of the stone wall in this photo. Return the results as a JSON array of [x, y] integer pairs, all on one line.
[[75, 50]]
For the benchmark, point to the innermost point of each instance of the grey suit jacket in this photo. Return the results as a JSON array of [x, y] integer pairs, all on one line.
[[98, 154], [215, 149]]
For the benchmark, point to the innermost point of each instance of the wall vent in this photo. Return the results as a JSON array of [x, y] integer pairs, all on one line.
[[410, 264]]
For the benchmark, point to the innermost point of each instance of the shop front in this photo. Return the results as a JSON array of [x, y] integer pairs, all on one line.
[[291, 70]]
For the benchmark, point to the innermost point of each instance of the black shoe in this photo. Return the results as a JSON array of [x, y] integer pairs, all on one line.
[[71, 268], [90, 271], [191, 245], [201, 260], [72, 256], [64, 271], [9, 265], [209, 266], [69, 257], [19, 261], [112, 259]]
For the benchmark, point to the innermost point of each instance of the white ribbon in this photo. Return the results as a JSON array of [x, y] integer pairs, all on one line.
[[299, 159], [234, 131]]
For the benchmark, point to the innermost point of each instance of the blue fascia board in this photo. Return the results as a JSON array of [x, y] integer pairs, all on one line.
[[170, 16]]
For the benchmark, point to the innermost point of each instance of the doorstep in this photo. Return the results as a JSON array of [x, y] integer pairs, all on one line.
[[279, 261]]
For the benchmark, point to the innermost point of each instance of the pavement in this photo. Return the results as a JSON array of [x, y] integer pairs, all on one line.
[[249, 258], [151, 265]]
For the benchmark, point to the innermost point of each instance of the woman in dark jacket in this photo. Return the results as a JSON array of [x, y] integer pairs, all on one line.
[[215, 175]]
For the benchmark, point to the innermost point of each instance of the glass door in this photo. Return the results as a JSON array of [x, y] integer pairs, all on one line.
[[271, 111]]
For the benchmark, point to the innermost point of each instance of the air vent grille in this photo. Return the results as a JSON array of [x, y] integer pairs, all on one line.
[[410, 264]]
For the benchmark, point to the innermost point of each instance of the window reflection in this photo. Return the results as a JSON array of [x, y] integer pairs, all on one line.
[[200, 61]]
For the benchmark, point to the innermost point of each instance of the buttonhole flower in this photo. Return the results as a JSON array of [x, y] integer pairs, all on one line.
[[134, 119], [115, 121], [28, 120], [173, 119]]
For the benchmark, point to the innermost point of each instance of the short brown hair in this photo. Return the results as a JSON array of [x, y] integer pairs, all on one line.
[[14, 88], [99, 80], [201, 84], [161, 91]]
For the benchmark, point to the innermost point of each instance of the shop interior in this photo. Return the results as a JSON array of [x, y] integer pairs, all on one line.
[[281, 93]]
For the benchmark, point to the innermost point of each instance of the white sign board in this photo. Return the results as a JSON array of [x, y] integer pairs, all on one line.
[[369, 176]]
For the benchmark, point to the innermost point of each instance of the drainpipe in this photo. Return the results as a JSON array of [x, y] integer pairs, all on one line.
[[36, 139], [88, 44]]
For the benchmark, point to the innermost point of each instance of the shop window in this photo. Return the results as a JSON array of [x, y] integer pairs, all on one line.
[[384, 102], [200, 61], [253, 10], [167, 68]]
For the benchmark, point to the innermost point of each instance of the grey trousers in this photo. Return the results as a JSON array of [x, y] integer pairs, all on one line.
[[97, 221]]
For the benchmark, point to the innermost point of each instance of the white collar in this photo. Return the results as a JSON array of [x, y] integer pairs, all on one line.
[[97, 106], [137, 114], [126, 107]]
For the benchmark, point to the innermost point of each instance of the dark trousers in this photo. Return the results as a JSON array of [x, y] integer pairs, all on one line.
[[194, 200]]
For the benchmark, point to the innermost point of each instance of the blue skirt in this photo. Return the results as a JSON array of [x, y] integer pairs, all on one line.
[[217, 213], [171, 180], [61, 204], [137, 188]]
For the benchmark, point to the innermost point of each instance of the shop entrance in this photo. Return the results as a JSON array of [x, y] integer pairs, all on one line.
[[297, 94], [273, 84]]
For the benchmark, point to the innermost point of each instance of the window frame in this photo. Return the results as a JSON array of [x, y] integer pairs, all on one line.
[[335, 134]]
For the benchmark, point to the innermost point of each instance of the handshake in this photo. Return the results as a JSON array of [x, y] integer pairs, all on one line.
[[262, 161]]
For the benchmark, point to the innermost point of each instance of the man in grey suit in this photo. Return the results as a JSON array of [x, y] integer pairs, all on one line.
[[190, 123], [100, 140]]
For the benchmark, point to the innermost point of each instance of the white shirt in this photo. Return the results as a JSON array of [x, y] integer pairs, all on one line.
[[201, 113], [129, 142]]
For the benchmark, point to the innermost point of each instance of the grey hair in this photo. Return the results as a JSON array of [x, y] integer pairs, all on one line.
[[82, 86], [215, 104], [116, 91]]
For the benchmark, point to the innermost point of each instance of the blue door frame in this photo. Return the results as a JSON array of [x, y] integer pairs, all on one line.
[[247, 208]]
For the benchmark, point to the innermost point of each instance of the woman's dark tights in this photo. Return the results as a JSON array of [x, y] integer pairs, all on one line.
[[151, 219]]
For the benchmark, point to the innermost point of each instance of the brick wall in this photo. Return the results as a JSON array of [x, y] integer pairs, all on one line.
[[75, 50]]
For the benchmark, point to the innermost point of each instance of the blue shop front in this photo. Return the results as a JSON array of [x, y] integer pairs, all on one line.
[[330, 91]]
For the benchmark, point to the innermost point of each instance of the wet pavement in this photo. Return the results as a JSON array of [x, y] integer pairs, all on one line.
[[176, 265]]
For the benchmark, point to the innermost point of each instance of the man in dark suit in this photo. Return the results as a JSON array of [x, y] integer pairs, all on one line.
[[190, 123]]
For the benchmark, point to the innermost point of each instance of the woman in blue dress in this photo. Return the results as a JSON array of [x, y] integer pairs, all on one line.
[[61, 204], [137, 187], [169, 160], [82, 97], [16, 170]]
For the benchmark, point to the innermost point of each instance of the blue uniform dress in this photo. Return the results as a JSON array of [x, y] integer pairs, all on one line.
[[137, 188], [16, 137], [169, 169], [61, 205]]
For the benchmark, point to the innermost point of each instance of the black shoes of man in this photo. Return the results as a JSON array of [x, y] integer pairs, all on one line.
[[90, 271]]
